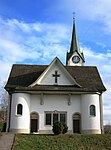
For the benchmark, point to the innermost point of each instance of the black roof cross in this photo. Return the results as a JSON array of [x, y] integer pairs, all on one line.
[[56, 75]]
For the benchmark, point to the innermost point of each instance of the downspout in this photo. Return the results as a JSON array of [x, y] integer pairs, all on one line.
[[10, 99], [101, 114]]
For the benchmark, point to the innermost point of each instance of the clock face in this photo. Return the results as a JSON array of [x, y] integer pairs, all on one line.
[[76, 59]]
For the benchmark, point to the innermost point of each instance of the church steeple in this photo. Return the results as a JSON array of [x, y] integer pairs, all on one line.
[[75, 56], [74, 40]]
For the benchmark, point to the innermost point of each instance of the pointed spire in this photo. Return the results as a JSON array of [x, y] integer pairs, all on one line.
[[74, 41]]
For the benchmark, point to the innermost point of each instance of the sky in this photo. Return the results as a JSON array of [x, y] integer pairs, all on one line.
[[35, 32]]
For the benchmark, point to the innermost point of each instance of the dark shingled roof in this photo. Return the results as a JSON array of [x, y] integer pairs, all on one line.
[[22, 76]]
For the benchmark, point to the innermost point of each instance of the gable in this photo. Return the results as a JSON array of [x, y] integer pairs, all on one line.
[[55, 74]]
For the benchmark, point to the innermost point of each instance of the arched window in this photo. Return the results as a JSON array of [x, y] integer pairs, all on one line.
[[19, 109], [92, 110]]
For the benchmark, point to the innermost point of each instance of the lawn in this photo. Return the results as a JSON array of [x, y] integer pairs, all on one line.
[[62, 142]]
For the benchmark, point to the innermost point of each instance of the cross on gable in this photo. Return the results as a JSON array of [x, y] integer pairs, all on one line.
[[56, 75]]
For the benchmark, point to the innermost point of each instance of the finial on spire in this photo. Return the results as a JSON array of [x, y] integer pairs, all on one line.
[[74, 16]]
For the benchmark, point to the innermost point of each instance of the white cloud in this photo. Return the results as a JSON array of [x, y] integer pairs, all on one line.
[[107, 114], [20, 41], [102, 45], [4, 70], [98, 11], [15, 52]]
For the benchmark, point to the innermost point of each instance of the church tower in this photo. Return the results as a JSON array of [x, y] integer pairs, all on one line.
[[75, 57]]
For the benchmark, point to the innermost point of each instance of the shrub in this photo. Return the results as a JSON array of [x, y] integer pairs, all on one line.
[[65, 128], [59, 127]]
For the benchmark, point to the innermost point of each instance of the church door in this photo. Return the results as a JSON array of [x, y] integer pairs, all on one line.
[[34, 125], [76, 123], [34, 122]]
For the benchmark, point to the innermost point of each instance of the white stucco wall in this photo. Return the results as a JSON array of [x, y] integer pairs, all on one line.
[[20, 121], [90, 122], [51, 102]]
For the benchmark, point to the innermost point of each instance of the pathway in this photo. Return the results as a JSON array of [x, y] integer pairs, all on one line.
[[6, 140]]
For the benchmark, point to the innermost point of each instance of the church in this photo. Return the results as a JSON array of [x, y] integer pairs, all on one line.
[[39, 95]]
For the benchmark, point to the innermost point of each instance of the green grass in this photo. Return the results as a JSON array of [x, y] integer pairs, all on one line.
[[62, 142]]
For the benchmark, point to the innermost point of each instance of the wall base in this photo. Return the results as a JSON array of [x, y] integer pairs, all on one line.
[[90, 131], [19, 130], [51, 132], [40, 131]]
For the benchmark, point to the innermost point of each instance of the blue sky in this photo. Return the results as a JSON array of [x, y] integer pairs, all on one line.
[[37, 31]]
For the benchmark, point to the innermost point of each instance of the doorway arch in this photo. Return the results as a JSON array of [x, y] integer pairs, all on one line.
[[34, 122], [76, 123]]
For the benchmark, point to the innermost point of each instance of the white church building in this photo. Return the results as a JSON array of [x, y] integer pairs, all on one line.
[[42, 94]]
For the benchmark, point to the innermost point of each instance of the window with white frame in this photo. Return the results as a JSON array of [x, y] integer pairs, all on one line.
[[51, 117], [48, 118], [92, 110]]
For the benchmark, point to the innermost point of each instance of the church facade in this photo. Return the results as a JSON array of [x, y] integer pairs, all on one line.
[[42, 94]]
